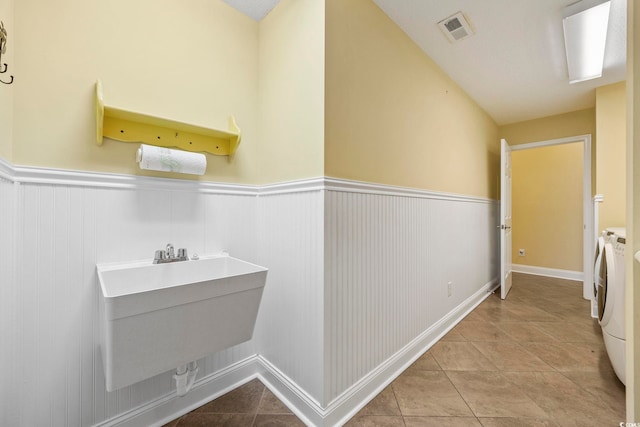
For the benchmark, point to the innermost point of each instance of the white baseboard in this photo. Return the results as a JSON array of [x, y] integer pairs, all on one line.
[[352, 400], [297, 400], [549, 272], [169, 407]]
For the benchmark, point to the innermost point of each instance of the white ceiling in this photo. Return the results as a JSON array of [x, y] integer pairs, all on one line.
[[514, 66], [256, 9]]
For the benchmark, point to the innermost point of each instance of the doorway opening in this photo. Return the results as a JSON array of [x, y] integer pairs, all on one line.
[[588, 233]]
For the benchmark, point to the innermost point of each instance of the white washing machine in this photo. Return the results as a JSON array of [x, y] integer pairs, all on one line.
[[610, 296], [597, 279]]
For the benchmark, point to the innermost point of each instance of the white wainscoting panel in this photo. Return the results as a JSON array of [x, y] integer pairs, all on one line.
[[8, 295], [289, 330], [62, 233], [388, 261], [357, 276]]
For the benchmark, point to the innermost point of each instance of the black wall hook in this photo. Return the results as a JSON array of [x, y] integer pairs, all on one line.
[[3, 49]]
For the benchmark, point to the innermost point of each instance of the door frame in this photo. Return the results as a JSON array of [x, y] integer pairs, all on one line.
[[506, 237], [589, 234]]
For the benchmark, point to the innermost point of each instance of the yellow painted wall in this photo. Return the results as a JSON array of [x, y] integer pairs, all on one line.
[[610, 154], [530, 215], [291, 91], [632, 285], [393, 117], [575, 123], [194, 61], [581, 122], [547, 206], [6, 92]]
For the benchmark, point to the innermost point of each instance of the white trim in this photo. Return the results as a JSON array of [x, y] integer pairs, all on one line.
[[297, 400], [349, 186], [547, 143], [549, 272], [6, 171], [288, 187], [588, 236], [169, 406], [588, 232], [352, 400], [49, 176], [35, 175]]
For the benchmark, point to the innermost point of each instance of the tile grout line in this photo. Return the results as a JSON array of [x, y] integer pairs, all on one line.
[[458, 391], [255, 415]]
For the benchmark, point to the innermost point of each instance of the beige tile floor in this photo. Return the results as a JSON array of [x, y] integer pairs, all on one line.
[[536, 359], [251, 404]]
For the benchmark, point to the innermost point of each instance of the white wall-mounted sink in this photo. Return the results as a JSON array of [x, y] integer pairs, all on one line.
[[155, 317]]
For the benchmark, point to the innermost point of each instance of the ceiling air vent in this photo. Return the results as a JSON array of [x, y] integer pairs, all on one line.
[[456, 27]]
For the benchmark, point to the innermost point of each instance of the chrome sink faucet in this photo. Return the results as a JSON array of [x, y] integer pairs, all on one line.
[[169, 255]]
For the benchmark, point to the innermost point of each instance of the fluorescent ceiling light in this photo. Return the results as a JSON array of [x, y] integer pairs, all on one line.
[[585, 34]]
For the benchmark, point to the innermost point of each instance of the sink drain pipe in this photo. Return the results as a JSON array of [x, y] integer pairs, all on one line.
[[185, 376]]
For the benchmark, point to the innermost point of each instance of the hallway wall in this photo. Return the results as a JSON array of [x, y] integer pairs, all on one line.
[[564, 256], [70, 220], [392, 116], [610, 154], [579, 122], [138, 50], [389, 259], [291, 91], [632, 282], [547, 207]]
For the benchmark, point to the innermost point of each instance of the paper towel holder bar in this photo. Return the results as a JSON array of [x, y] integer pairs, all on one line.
[[130, 126]]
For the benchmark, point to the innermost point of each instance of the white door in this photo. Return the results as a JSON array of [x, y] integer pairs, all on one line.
[[505, 218]]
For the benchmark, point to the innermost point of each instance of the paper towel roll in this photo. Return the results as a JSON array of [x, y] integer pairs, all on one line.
[[167, 160]]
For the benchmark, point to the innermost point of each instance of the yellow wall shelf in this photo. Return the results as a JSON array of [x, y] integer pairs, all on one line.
[[129, 126]]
